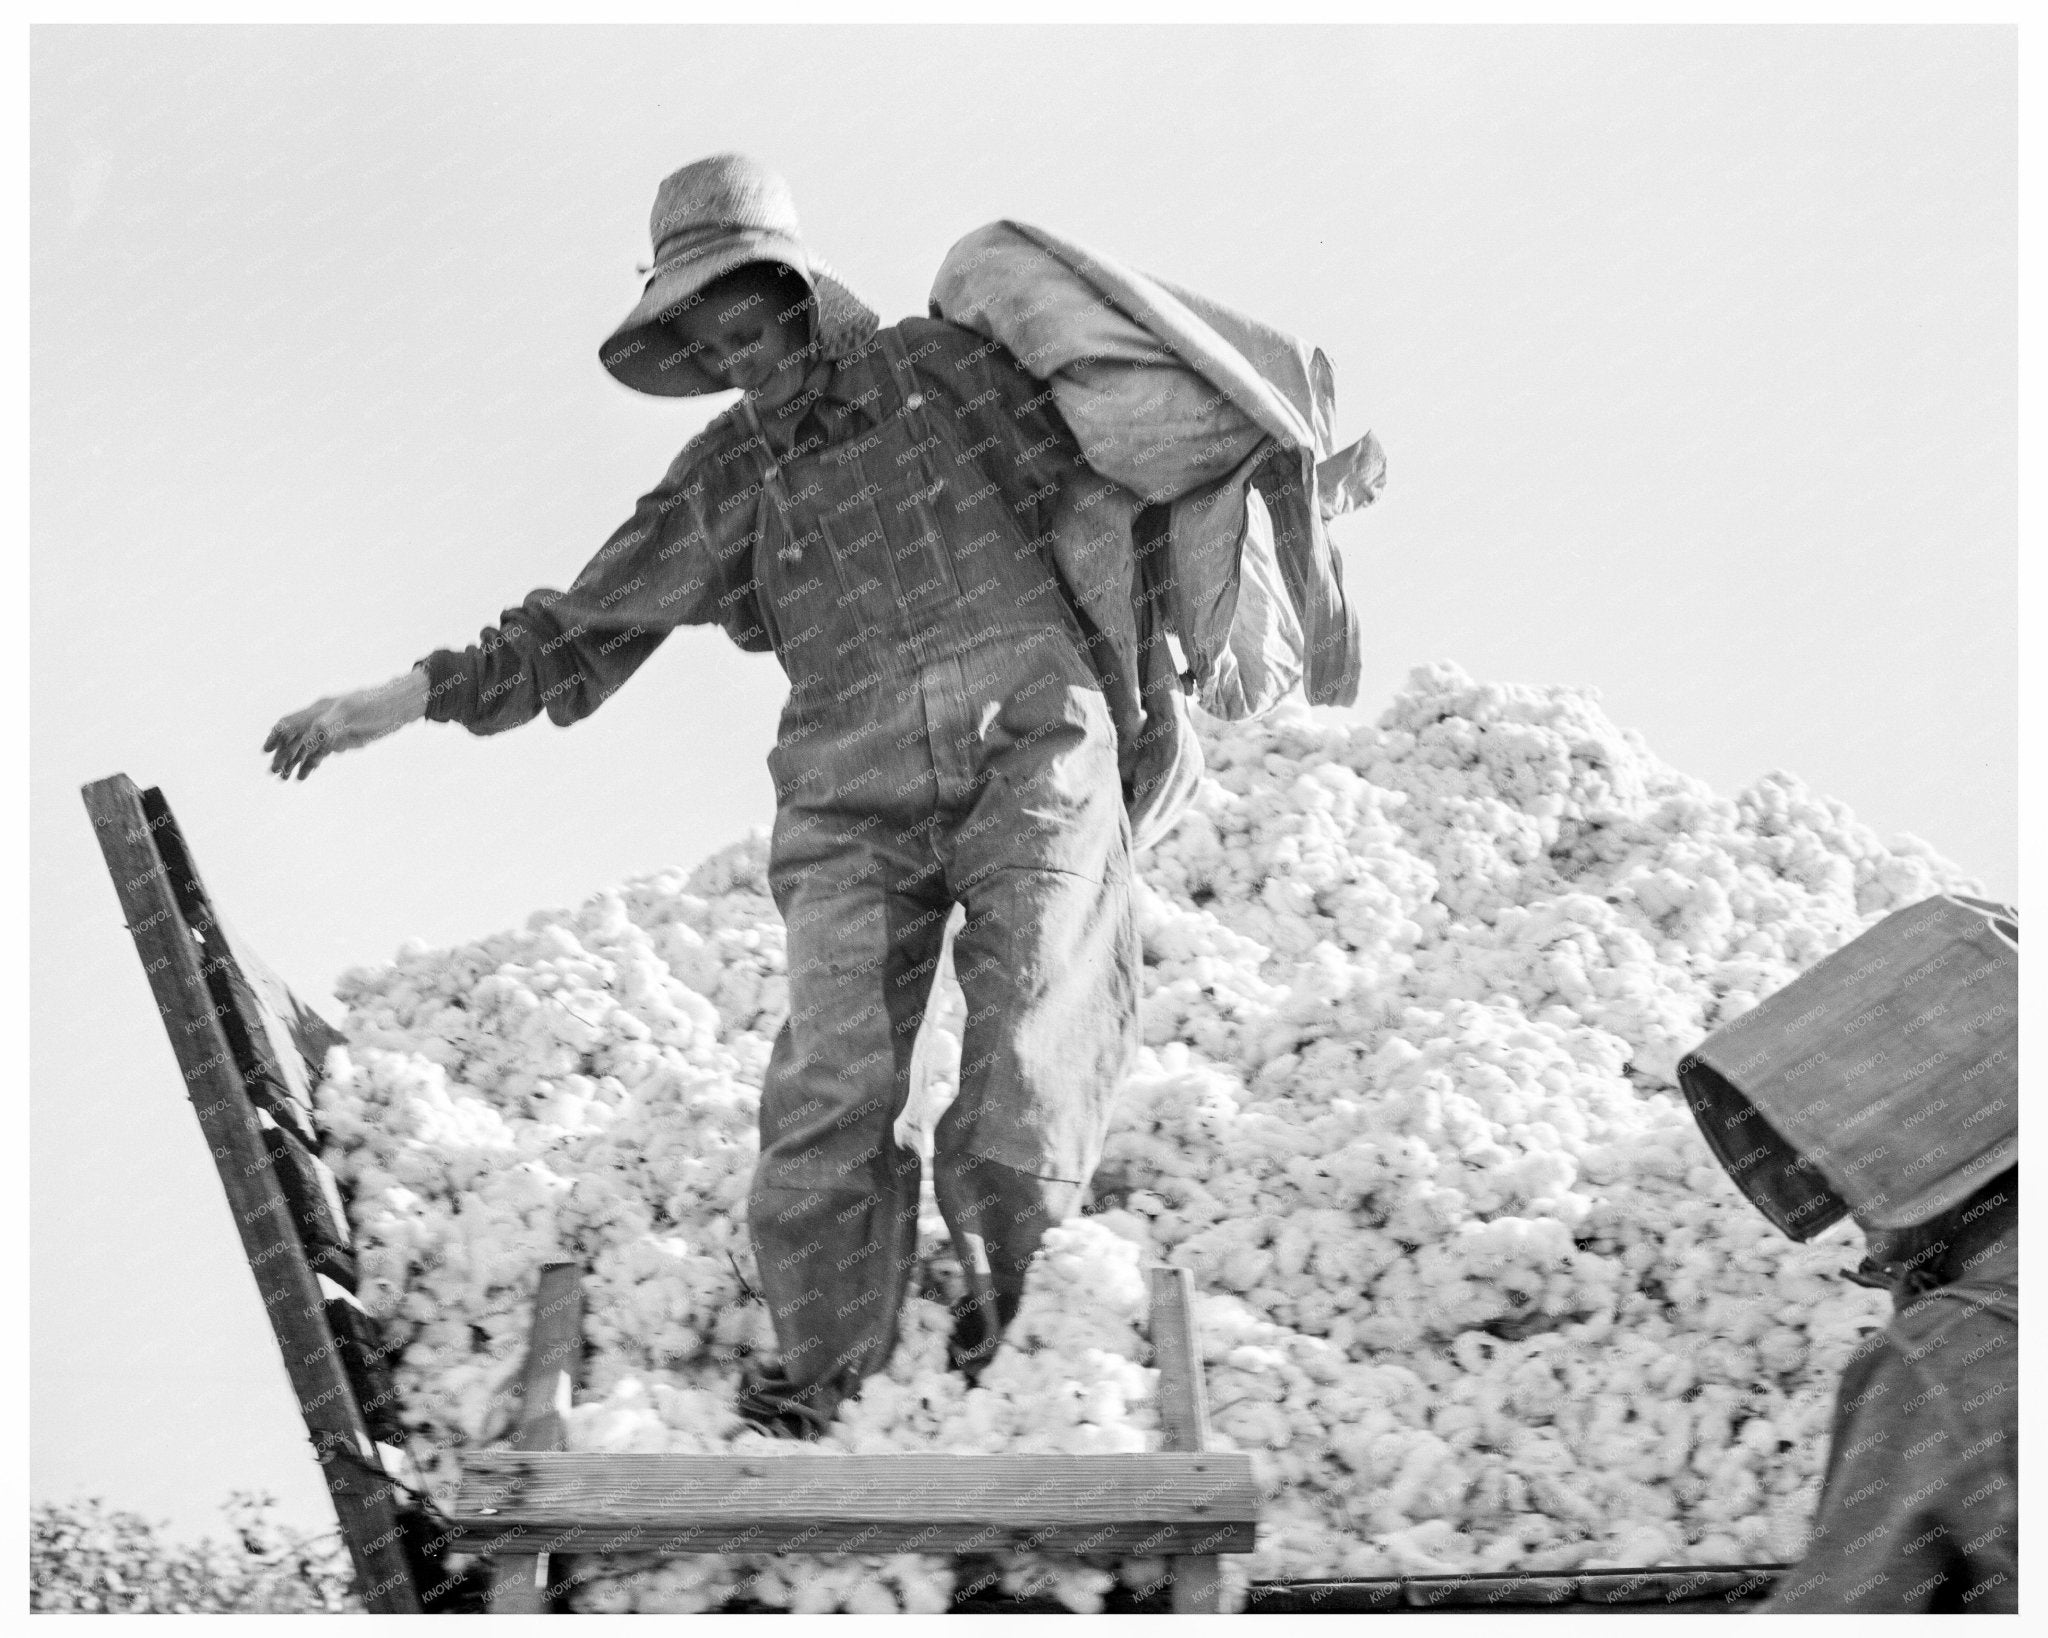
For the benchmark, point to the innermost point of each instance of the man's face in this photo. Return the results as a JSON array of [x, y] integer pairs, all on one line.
[[750, 329]]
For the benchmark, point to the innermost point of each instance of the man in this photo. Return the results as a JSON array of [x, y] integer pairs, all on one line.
[[1883, 1083], [877, 510]]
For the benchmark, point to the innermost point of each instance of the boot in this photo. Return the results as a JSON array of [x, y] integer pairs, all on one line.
[[997, 1215], [768, 1401], [973, 1342]]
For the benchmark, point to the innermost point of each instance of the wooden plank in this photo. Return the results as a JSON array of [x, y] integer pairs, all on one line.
[[153, 893], [1722, 1586], [1183, 1420], [315, 1204], [547, 1387], [367, 1359], [299, 1036], [1155, 1502], [554, 1359], [291, 1046], [1183, 1395], [1668, 1584], [602, 1536]]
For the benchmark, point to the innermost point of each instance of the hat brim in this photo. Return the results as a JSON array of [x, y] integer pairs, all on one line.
[[644, 354], [1811, 1100]]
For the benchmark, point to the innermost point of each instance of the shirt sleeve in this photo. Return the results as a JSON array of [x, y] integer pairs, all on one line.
[[685, 557]]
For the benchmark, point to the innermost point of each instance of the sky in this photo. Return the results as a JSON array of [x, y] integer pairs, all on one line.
[[1693, 353]]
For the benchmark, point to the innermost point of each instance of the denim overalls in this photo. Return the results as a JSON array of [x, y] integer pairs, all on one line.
[[945, 739]]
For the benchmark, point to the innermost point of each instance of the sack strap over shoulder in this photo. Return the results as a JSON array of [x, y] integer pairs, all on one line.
[[1991, 1296]]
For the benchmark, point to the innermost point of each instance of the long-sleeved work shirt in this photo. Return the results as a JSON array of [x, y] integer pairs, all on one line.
[[909, 520]]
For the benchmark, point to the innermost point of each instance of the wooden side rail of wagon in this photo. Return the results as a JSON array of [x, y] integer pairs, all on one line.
[[529, 1506], [1650, 1590]]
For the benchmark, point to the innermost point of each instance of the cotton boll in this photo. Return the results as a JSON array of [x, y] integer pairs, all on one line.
[[1432, 1547], [1782, 1350], [1076, 1585], [1638, 1545]]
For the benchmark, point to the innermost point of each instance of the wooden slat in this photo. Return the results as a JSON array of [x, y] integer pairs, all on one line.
[[554, 1358], [299, 1036], [367, 1359], [270, 1029], [1719, 1586], [315, 1207], [1183, 1420], [278, 1048], [140, 847], [547, 1386], [1657, 1584], [1156, 1502], [1183, 1396]]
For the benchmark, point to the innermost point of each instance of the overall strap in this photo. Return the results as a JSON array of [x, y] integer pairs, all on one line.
[[914, 406], [903, 377], [770, 469]]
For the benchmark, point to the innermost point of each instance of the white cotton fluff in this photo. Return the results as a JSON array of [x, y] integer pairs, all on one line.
[[1473, 1294]]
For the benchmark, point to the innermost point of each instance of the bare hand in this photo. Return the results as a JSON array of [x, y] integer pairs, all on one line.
[[343, 722]]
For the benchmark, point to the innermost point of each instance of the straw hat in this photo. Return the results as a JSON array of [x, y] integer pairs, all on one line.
[[709, 218]]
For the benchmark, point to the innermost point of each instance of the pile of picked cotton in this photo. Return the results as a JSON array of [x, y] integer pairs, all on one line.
[[1472, 1291]]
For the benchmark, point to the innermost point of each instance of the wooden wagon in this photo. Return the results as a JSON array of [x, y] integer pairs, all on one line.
[[251, 1055]]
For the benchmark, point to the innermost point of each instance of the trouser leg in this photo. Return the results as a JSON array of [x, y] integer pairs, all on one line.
[[997, 1216], [1049, 976], [1019, 814], [834, 1265], [1048, 966], [833, 1207], [1048, 962]]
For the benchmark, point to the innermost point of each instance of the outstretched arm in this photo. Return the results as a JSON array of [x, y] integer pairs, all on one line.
[[683, 558]]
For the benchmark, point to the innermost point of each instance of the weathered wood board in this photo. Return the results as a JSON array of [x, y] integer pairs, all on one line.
[[1155, 1502]]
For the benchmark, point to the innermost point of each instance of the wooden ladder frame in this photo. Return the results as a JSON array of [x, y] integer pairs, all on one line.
[[251, 1053]]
